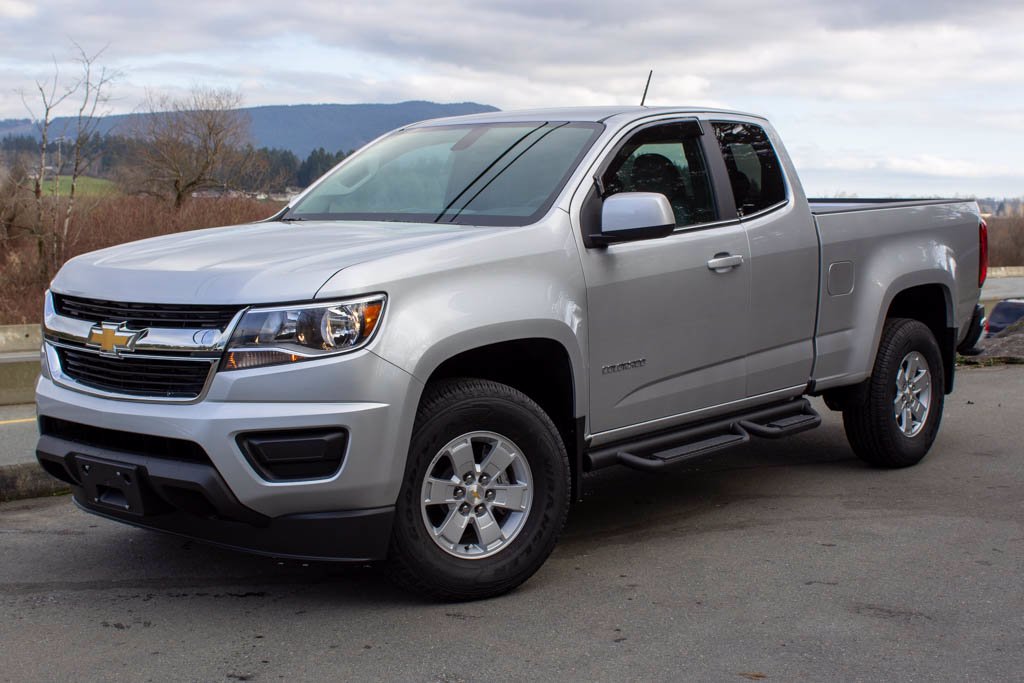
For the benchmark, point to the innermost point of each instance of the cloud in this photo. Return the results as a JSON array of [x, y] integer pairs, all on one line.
[[925, 165], [17, 9], [901, 80]]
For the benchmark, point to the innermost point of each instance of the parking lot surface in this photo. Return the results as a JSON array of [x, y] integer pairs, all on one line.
[[784, 560]]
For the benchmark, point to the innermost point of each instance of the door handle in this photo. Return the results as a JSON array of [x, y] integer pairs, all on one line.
[[725, 262]]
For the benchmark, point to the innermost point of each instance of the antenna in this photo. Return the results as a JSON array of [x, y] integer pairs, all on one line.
[[644, 98]]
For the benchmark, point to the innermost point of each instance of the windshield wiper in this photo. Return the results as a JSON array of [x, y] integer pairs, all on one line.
[[292, 219]]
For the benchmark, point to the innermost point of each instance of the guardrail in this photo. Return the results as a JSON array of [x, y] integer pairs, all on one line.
[[19, 363]]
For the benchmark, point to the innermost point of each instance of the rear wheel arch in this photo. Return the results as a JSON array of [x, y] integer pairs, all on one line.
[[894, 417], [931, 304]]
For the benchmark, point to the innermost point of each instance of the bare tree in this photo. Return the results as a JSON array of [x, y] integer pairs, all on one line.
[[192, 143], [94, 88], [52, 222]]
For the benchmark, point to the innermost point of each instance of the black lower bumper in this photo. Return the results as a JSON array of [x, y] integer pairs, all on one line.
[[968, 346], [191, 499]]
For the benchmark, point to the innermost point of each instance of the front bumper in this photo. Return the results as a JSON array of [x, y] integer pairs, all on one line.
[[343, 516], [308, 395], [191, 499]]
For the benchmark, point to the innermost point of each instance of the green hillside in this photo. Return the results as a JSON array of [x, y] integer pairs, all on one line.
[[87, 186]]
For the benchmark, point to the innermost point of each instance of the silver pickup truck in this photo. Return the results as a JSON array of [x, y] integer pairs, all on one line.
[[419, 358]]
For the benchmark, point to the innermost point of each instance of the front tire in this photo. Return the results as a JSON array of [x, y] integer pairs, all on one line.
[[485, 495], [897, 420]]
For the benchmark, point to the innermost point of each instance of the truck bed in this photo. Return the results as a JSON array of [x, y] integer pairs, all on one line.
[[824, 206], [872, 249]]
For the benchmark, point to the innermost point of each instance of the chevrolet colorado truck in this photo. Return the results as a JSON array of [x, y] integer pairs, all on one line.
[[419, 358]]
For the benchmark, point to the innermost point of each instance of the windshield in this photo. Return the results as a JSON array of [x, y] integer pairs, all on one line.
[[479, 174]]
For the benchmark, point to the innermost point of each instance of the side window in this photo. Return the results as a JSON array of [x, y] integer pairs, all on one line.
[[666, 159], [754, 171]]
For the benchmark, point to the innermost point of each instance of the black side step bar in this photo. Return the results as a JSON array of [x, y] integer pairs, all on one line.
[[672, 448]]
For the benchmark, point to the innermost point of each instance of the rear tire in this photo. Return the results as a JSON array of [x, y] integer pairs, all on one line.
[[895, 423], [485, 495]]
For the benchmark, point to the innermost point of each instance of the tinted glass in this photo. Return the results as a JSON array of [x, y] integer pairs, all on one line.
[[491, 174], [754, 170], [666, 159]]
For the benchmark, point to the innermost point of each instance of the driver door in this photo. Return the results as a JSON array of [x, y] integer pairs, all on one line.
[[668, 332]]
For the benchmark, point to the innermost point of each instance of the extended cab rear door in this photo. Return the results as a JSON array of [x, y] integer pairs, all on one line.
[[668, 333], [784, 256]]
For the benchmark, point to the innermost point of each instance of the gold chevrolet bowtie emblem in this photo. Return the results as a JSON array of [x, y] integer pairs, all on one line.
[[113, 338]]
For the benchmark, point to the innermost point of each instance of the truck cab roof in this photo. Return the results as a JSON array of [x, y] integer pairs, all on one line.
[[592, 114]]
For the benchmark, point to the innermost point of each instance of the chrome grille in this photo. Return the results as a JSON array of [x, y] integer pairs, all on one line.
[[138, 316], [134, 375]]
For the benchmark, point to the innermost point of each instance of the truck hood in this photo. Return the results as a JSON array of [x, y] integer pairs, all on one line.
[[244, 264]]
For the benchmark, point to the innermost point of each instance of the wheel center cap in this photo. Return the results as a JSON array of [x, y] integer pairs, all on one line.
[[473, 493]]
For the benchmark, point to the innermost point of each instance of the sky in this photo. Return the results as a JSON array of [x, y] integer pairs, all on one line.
[[873, 98]]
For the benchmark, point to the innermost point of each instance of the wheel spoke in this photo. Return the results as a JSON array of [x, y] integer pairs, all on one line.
[[461, 455], [453, 527], [440, 491], [487, 529], [912, 367], [917, 408], [498, 460], [511, 497], [908, 425], [922, 385]]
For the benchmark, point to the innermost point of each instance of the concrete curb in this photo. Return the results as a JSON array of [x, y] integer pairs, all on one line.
[[28, 480]]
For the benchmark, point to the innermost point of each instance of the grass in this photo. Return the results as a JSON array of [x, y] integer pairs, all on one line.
[[87, 186]]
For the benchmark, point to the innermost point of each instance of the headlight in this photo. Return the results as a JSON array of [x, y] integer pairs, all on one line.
[[287, 334]]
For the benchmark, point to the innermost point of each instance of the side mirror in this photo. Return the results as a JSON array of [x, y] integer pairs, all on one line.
[[631, 216]]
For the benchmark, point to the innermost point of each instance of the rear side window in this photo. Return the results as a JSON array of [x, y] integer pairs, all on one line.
[[754, 170]]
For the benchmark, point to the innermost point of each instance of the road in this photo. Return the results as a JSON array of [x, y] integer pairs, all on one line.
[[18, 433], [785, 560], [1003, 288]]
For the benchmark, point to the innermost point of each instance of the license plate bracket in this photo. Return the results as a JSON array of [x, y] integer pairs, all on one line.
[[111, 485]]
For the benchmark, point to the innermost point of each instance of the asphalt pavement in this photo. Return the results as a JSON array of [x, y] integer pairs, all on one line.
[[783, 560], [18, 433], [20, 474]]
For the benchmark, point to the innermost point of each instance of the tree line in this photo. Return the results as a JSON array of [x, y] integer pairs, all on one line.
[[115, 157], [177, 147]]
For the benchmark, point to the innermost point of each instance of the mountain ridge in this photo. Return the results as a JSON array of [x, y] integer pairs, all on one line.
[[300, 128]]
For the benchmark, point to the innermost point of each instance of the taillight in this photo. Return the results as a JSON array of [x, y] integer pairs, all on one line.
[[982, 252]]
